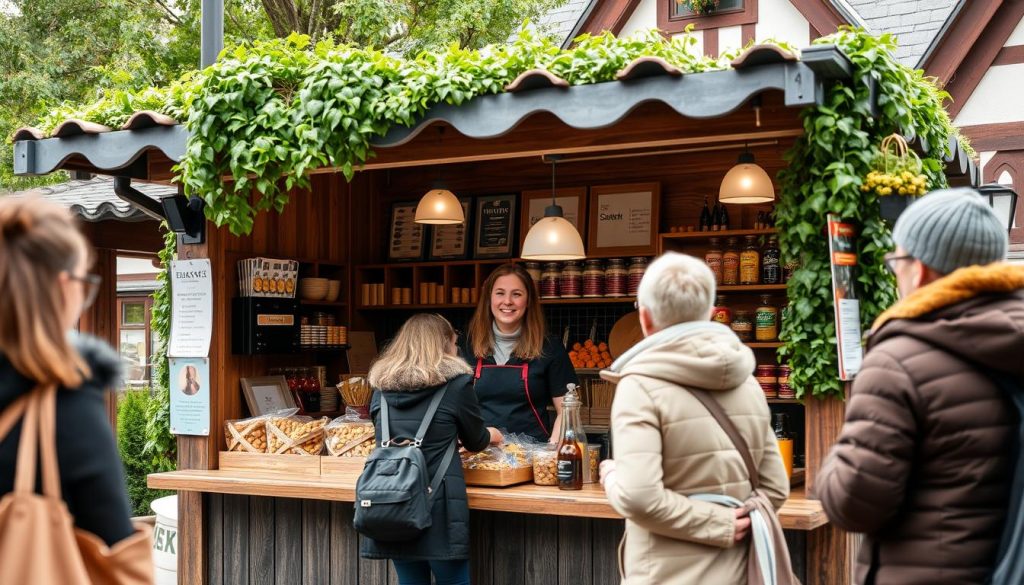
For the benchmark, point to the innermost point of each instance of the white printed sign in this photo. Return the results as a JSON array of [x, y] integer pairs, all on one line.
[[191, 308]]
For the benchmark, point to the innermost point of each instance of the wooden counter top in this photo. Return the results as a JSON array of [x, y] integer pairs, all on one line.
[[798, 513]]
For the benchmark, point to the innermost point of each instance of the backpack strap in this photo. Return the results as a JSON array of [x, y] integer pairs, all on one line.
[[449, 454]]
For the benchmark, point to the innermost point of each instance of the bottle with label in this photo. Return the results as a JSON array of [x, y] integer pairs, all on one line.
[[731, 263], [780, 425], [705, 217], [766, 320], [743, 326], [572, 445], [723, 219], [771, 269], [713, 258], [716, 213], [721, 313], [750, 262]]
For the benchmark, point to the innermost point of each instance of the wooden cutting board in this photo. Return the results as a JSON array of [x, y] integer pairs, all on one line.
[[625, 334]]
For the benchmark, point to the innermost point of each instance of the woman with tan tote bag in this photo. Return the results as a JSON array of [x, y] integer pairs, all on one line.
[[70, 523]]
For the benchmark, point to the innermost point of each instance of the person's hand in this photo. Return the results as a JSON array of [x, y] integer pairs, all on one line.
[[496, 437], [742, 524], [607, 471]]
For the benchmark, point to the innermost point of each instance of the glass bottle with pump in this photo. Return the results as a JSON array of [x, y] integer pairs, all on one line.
[[572, 446]]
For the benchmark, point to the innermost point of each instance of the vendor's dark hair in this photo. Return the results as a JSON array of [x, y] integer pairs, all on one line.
[[532, 331]]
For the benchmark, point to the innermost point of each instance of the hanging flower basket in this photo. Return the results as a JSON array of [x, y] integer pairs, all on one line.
[[700, 6], [896, 179]]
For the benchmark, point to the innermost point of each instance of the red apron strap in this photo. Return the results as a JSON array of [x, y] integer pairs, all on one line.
[[526, 390], [479, 367]]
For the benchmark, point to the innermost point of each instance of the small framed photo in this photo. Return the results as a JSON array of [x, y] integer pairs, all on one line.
[[624, 220], [451, 242], [572, 200], [406, 237], [495, 226], [267, 394]]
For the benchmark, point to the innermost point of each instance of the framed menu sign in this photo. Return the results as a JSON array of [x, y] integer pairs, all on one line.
[[405, 240], [624, 219], [572, 200], [495, 220], [451, 242]]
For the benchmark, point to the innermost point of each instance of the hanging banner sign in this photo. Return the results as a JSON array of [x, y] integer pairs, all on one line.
[[843, 255], [190, 396], [191, 308]]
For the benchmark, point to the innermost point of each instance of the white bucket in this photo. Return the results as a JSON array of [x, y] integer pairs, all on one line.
[[165, 540]]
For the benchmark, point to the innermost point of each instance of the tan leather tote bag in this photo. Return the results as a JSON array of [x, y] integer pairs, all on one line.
[[38, 540]]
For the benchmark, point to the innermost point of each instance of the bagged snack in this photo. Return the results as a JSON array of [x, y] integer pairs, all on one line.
[[516, 451], [356, 393], [350, 436], [545, 466], [249, 435], [297, 435]]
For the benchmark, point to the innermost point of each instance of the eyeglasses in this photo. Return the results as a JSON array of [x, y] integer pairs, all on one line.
[[890, 261], [91, 287]]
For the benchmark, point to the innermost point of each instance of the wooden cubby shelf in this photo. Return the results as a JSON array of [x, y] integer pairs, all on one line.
[[589, 301], [763, 344], [723, 234], [752, 288], [323, 303]]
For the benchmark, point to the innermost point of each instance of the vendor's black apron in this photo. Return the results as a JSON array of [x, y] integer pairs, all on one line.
[[505, 401]]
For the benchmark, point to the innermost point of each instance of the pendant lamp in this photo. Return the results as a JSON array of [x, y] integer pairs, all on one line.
[[746, 183], [439, 207], [553, 237]]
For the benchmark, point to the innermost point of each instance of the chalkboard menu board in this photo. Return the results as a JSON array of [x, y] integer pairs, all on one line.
[[495, 220], [405, 240]]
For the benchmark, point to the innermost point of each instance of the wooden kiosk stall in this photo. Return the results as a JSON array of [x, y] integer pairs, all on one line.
[[287, 518]]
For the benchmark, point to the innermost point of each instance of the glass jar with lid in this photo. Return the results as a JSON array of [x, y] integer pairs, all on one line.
[[616, 278], [713, 258], [593, 279], [570, 286], [750, 262], [533, 269], [637, 267], [721, 313], [731, 262], [743, 326], [549, 281], [771, 268], [766, 320]]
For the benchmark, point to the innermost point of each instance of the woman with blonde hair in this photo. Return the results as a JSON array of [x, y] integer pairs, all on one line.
[[419, 362], [45, 285]]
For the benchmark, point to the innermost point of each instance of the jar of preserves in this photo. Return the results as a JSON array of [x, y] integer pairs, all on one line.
[[721, 313], [771, 269], [533, 269], [750, 262], [637, 267], [713, 258], [743, 326], [570, 286], [767, 377], [785, 391], [766, 320], [593, 279], [549, 281], [616, 278], [731, 263]]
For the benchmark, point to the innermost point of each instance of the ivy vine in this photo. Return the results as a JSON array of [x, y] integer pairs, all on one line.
[[825, 170], [161, 446]]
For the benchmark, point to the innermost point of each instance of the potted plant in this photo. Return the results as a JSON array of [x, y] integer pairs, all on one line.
[[896, 179], [699, 6]]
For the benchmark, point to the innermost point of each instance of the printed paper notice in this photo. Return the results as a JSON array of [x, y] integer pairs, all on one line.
[[843, 252], [190, 396], [624, 219], [191, 308]]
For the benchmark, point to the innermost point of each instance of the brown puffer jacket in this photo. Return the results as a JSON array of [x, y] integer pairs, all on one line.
[[923, 464]]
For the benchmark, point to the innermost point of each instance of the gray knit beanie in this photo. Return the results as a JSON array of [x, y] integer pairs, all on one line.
[[950, 229]]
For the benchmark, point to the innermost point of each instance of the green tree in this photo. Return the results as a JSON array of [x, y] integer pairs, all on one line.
[[131, 438]]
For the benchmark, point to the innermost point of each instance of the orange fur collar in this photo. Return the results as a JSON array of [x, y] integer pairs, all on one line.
[[961, 285]]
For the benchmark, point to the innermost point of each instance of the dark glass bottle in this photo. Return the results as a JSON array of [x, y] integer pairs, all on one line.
[[723, 219], [705, 217], [771, 269], [716, 213]]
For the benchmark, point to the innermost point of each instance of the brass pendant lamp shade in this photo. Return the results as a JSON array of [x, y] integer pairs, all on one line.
[[439, 207], [746, 183], [553, 238]]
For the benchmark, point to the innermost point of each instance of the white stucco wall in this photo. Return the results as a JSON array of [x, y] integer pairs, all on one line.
[[779, 20], [1017, 36], [729, 38], [644, 17], [996, 99]]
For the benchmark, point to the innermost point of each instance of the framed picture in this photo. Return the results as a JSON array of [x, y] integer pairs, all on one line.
[[451, 242], [495, 226], [267, 394], [405, 240], [573, 201], [624, 220]]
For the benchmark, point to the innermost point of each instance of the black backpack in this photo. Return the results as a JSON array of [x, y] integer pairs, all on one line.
[[393, 496]]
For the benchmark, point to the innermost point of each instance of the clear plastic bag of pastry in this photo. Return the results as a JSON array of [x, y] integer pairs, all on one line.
[[545, 465], [249, 435], [515, 451], [350, 436], [295, 435]]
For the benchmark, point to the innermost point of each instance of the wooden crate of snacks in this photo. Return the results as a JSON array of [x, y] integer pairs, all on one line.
[[247, 435], [295, 435], [289, 465], [508, 464]]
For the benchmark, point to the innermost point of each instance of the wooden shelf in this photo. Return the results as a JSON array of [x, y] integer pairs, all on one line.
[[784, 401], [708, 235], [590, 301], [750, 287], [415, 307], [323, 303], [763, 344]]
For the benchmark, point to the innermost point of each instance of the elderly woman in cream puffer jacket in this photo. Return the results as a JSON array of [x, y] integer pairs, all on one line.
[[667, 445]]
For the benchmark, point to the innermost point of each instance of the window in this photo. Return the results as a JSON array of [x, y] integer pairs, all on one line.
[[133, 313], [684, 10], [134, 340]]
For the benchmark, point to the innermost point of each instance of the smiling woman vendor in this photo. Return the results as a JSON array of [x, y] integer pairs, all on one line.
[[519, 371]]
